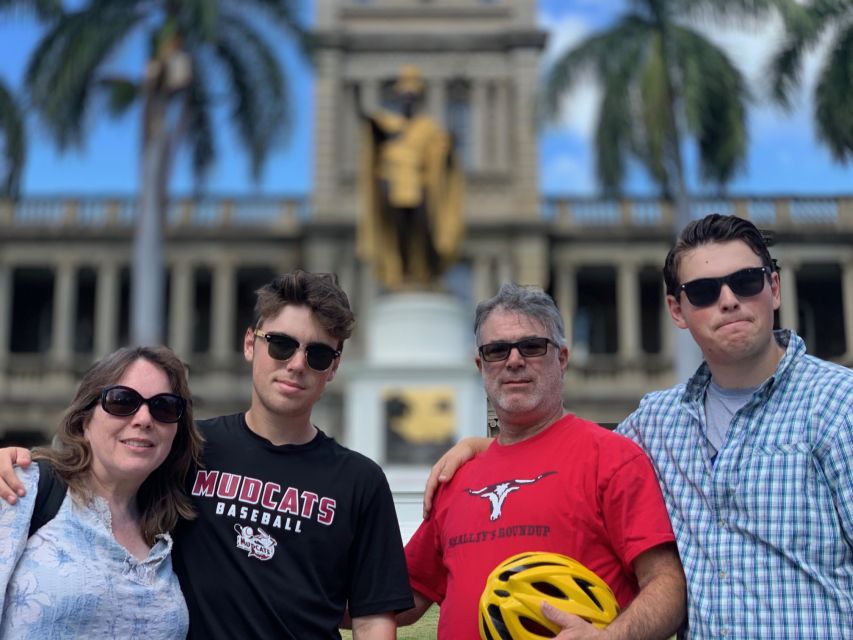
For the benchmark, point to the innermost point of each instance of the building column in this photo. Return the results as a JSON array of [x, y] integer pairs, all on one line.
[[847, 298], [181, 308], [224, 310], [479, 133], [370, 95], [503, 128], [64, 313], [505, 270], [437, 100], [6, 316], [567, 297], [106, 309], [628, 306], [789, 312], [531, 258], [483, 285]]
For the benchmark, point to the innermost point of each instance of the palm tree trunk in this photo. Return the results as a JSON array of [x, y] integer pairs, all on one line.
[[148, 274], [687, 355]]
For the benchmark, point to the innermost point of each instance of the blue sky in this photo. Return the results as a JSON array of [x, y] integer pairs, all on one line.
[[784, 155]]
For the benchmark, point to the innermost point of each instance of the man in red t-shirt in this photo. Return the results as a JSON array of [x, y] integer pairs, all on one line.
[[550, 482]]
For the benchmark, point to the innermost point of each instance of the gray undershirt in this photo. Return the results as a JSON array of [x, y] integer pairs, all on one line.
[[720, 407]]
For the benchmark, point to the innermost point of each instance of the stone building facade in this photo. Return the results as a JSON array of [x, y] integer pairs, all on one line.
[[64, 262]]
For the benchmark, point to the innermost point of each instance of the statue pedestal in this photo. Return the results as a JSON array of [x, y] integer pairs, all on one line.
[[415, 392]]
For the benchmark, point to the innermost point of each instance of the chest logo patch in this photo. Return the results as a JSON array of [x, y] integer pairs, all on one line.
[[260, 545], [497, 493]]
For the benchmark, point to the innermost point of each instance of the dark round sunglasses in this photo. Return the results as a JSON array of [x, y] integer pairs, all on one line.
[[529, 348], [118, 400], [281, 346], [704, 292]]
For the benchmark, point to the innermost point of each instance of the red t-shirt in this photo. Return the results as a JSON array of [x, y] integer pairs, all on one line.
[[575, 488]]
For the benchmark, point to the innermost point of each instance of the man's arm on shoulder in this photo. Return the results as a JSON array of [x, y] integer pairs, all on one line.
[[444, 470], [11, 486], [411, 616], [380, 626]]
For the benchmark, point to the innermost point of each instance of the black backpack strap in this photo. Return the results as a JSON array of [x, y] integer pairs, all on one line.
[[51, 493]]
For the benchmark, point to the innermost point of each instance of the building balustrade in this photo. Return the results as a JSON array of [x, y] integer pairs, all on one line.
[[65, 263]]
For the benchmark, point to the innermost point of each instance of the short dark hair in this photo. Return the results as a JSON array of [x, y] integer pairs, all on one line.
[[161, 498], [319, 292], [526, 300], [713, 228]]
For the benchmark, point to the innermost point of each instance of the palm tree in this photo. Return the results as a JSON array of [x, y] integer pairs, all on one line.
[[806, 26], [12, 145], [13, 149], [196, 47], [664, 83]]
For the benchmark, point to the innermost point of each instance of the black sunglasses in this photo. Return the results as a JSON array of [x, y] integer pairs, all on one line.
[[119, 400], [281, 346], [529, 348], [745, 283]]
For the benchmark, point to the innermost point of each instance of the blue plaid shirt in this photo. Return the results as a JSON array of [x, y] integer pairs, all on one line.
[[765, 533]]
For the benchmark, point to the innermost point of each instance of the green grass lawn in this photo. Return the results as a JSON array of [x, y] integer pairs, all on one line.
[[423, 630]]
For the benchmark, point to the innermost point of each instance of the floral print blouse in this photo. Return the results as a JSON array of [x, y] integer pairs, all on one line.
[[72, 579]]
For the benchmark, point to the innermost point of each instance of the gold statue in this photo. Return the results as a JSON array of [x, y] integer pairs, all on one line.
[[411, 185]]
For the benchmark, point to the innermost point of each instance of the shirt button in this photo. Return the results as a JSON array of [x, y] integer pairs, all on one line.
[[724, 632], [723, 575], [722, 524]]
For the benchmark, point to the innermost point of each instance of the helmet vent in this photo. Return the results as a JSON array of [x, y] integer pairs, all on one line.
[[535, 628], [587, 589], [550, 590], [498, 621], [484, 629]]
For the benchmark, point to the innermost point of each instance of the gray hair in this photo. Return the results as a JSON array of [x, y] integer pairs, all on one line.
[[525, 300]]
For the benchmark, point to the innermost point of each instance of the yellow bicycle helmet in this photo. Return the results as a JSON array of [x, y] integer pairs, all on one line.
[[510, 607]]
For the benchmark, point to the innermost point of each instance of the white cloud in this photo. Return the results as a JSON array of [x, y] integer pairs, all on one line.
[[579, 107], [566, 173]]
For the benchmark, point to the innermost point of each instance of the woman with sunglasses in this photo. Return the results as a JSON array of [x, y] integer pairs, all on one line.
[[101, 566]]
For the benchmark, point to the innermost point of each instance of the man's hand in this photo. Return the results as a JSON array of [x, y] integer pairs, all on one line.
[[443, 470], [10, 486], [573, 627]]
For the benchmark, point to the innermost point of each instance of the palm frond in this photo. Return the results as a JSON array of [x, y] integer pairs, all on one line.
[[43, 9], [834, 97], [804, 28], [284, 14], [62, 73], [715, 96], [730, 12], [613, 135], [261, 96], [199, 20], [652, 137], [601, 55], [12, 144], [199, 126]]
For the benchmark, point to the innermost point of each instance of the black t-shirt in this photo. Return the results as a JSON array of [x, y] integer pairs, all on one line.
[[285, 537]]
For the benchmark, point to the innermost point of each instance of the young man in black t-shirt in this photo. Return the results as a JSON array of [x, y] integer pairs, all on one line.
[[292, 529]]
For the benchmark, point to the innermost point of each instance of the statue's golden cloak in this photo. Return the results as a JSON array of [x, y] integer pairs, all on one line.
[[417, 162]]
